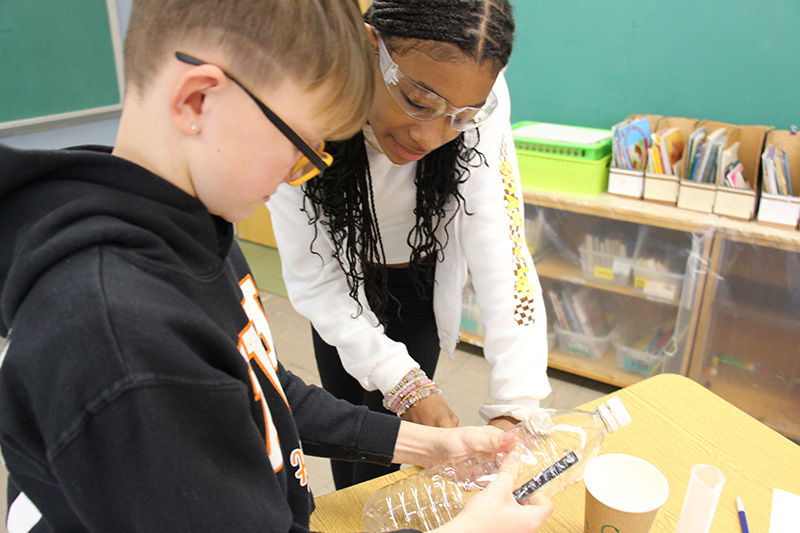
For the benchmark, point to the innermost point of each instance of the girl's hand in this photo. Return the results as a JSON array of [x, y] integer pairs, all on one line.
[[504, 423], [432, 411], [428, 446]]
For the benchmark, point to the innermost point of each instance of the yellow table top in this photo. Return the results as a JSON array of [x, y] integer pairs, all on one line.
[[676, 423]]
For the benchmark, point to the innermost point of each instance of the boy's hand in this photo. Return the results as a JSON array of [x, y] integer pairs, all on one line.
[[496, 502], [432, 411]]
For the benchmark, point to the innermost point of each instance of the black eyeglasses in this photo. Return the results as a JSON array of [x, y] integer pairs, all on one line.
[[314, 160]]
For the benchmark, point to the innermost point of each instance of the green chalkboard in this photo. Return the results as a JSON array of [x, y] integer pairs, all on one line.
[[592, 63], [58, 58]]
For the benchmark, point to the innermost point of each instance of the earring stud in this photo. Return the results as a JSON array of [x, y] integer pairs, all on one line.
[[193, 127]]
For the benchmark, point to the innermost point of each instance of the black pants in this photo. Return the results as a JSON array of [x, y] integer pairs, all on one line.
[[416, 328]]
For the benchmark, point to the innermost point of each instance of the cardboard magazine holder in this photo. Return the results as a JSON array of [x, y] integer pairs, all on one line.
[[737, 202], [629, 182], [663, 188], [779, 210], [700, 196]]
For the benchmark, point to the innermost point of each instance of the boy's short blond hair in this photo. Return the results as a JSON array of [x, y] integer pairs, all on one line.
[[320, 44]]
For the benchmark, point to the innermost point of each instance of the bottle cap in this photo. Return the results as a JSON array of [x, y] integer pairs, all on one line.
[[621, 415]]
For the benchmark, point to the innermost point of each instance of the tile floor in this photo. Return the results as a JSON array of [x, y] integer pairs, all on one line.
[[463, 379]]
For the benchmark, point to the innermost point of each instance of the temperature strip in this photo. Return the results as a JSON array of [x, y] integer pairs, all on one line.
[[546, 475]]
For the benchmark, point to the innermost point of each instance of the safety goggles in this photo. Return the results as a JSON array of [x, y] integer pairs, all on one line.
[[314, 159], [423, 104]]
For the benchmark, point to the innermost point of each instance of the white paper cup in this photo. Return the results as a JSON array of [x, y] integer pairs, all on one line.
[[623, 494]]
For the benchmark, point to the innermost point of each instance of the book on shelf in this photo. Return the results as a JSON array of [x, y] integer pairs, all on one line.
[[731, 170], [656, 339], [732, 174], [734, 177], [654, 158], [631, 140], [579, 312], [665, 151], [672, 146], [775, 169], [619, 244], [708, 158], [661, 260], [561, 317], [695, 143], [586, 321]]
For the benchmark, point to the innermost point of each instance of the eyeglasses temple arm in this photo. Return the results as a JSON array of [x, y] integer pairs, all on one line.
[[298, 141]]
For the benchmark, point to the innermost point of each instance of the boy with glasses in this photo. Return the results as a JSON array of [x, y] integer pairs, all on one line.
[[139, 386]]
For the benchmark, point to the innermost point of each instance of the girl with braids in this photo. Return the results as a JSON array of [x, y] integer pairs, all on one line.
[[428, 190]]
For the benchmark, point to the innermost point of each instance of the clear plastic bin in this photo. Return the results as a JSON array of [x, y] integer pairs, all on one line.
[[472, 325], [471, 320], [658, 284], [589, 347], [552, 340], [635, 361], [470, 313], [606, 268], [535, 236]]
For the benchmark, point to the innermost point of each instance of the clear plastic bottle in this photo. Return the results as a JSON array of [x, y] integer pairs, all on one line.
[[554, 445]]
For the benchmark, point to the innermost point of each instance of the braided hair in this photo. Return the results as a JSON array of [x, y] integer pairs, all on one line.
[[341, 198]]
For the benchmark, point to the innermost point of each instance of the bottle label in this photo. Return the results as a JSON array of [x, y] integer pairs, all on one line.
[[546, 475]]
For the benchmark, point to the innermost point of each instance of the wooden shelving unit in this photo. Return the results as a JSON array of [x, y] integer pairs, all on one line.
[[635, 211], [748, 342], [740, 306], [604, 369], [556, 267], [581, 214]]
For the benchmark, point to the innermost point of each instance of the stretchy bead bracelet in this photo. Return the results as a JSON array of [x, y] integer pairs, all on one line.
[[414, 386]]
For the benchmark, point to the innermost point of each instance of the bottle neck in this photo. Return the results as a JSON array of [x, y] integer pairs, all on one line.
[[606, 418]]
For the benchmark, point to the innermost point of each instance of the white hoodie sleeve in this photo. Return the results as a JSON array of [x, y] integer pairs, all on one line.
[[318, 290], [491, 240], [506, 284]]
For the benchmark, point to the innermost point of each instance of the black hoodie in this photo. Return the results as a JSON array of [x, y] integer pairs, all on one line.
[[139, 389]]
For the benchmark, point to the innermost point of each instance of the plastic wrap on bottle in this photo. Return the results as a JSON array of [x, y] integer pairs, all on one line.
[[554, 446]]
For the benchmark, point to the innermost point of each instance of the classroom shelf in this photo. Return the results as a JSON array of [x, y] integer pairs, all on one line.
[[558, 268], [630, 210], [557, 226], [760, 397], [747, 348], [737, 320], [604, 369], [471, 338]]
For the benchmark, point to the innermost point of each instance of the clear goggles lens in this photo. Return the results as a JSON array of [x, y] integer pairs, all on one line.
[[422, 104]]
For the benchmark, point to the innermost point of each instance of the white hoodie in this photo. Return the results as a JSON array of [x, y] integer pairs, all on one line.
[[489, 242]]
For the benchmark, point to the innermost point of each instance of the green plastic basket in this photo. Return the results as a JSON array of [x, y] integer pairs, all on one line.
[[563, 166]]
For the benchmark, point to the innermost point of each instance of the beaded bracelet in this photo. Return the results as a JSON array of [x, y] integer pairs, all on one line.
[[411, 401], [413, 387]]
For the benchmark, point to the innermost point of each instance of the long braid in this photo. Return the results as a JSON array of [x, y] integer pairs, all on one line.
[[341, 198]]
